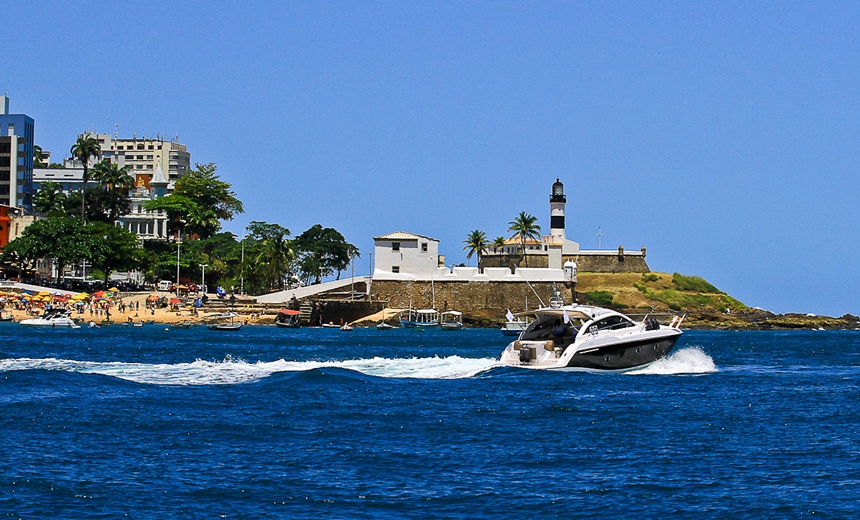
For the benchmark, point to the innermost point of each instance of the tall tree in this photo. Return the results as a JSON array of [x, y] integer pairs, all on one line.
[[50, 198], [112, 248], [475, 242], [499, 246], [101, 205], [38, 156], [199, 201], [277, 255], [524, 227], [61, 238], [112, 177], [85, 148], [322, 251]]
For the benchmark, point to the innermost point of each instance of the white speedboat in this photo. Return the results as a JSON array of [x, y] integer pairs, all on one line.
[[587, 337], [52, 318]]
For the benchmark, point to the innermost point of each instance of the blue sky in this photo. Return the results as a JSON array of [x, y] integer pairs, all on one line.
[[723, 136]]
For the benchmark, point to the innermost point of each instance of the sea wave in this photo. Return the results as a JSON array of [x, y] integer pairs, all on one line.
[[692, 360], [235, 371]]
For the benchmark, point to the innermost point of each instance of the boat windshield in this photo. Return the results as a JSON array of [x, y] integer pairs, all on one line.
[[552, 327], [613, 323]]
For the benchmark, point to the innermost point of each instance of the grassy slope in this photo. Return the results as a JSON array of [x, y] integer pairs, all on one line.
[[638, 291], [707, 308]]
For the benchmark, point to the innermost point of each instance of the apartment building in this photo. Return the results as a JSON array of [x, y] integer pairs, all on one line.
[[142, 155], [16, 157]]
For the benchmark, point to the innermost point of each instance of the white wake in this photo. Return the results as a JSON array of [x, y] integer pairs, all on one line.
[[691, 360], [232, 371]]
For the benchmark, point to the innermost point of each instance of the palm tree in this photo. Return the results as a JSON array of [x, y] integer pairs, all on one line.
[[50, 198], [111, 176], [499, 246], [277, 256], [524, 228], [84, 148], [38, 156], [202, 221], [475, 242]]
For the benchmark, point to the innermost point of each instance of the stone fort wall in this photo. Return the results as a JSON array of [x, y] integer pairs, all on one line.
[[611, 262], [492, 298]]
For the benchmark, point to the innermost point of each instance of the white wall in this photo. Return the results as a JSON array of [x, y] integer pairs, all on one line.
[[410, 259]]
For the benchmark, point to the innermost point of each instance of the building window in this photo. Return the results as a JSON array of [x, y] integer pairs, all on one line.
[[395, 246], [395, 268], [423, 247]]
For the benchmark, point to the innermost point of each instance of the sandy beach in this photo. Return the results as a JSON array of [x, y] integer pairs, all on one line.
[[162, 316]]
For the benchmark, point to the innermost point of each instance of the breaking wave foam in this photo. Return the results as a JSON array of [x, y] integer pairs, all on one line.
[[231, 371], [691, 360]]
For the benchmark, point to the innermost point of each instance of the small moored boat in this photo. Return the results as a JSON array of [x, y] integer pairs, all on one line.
[[451, 320], [289, 319], [413, 318], [231, 325]]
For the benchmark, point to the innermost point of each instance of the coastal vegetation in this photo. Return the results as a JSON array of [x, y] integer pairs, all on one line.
[[80, 228]]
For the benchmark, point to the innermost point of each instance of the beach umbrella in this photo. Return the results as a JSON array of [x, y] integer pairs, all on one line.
[[113, 289], [99, 294]]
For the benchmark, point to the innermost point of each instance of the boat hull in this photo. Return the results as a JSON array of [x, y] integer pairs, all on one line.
[[404, 324], [45, 323], [226, 327], [623, 356], [287, 325]]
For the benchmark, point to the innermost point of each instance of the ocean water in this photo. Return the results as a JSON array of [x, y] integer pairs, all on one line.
[[317, 423]]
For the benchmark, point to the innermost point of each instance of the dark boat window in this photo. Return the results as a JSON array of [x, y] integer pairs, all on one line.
[[614, 323]]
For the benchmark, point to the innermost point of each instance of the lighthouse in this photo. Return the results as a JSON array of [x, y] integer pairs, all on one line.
[[556, 211]]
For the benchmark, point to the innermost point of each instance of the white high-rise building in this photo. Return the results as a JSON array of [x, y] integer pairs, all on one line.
[[142, 155]]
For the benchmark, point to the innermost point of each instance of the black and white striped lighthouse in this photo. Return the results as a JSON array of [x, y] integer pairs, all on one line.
[[556, 210]]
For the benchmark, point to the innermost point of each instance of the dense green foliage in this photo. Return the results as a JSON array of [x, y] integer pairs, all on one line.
[[322, 251], [600, 298], [264, 260], [198, 203], [65, 241]]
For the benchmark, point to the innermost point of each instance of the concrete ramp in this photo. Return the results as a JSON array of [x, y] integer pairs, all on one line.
[[310, 290]]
